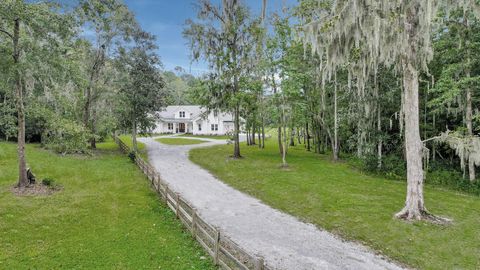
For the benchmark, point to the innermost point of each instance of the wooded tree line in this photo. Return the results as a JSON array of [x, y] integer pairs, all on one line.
[[73, 74], [393, 84]]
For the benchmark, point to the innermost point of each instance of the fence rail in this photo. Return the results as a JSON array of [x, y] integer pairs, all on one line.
[[225, 252]]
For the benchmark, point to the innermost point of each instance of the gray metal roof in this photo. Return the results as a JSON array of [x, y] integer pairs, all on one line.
[[191, 111]]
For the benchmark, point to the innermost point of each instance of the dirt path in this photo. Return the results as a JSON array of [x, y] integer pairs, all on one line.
[[284, 241]]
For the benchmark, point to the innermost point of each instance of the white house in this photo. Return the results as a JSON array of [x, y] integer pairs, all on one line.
[[193, 119]]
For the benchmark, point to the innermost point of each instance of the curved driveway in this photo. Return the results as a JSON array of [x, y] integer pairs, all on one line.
[[284, 241]]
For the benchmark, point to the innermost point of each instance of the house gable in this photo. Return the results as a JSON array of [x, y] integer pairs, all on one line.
[[187, 112]]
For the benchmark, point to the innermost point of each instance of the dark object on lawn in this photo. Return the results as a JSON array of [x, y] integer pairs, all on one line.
[[48, 182], [132, 155], [31, 177]]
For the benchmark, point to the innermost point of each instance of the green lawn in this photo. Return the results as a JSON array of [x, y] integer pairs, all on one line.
[[106, 217], [215, 137], [357, 206], [179, 141]]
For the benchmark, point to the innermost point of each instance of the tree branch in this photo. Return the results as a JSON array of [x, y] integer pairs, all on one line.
[[6, 33], [214, 11]]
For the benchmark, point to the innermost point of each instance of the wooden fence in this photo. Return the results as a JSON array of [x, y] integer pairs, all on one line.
[[225, 253]]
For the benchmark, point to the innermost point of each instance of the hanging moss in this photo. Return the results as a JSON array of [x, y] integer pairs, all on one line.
[[358, 34], [466, 147]]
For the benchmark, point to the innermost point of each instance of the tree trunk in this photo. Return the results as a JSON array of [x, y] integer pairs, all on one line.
[[134, 136], [263, 132], [22, 164], [414, 205], [86, 107], [379, 126], [93, 129], [292, 137], [284, 145], [259, 137], [433, 146], [359, 141], [280, 140], [299, 136], [304, 137], [284, 124], [307, 136], [88, 119], [236, 150], [380, 143], [335, 124], [253, 131], [468, 118]]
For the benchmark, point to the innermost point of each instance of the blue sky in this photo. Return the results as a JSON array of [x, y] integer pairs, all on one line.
[[166, 18]]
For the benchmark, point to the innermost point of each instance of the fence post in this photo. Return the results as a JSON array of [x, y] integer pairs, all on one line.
[[259, 263], [177, 204], [194, 222], [157, 182], [153, 180], [164, 190], [217, 246], [166, 194]]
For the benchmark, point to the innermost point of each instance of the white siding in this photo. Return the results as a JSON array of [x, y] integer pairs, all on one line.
[[173, 113], [210, 120]]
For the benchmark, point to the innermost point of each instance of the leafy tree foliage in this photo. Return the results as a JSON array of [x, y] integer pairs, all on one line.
[[32, 34], [60, 87], [142, 91], [223, 36]]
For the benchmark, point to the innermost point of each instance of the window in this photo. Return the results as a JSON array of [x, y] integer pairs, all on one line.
[[170, 126], [215, 114], [182, 114], [199, 127], [214, 127]]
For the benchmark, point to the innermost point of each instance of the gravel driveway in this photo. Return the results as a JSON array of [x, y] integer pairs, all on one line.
[[284, 241]]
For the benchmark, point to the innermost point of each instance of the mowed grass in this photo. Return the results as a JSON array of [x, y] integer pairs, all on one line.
[[106, 217], [215, 137], [356, 206], [179, 141]]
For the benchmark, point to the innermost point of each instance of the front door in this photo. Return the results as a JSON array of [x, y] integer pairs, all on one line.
[[181, 127]]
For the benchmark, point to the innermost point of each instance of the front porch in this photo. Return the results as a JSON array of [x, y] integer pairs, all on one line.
[[182, 127]]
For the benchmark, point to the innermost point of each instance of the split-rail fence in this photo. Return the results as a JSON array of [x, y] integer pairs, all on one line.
[[225, 252]]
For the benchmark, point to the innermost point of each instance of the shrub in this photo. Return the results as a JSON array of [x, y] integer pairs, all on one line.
[[392, 165], [66, 137], [440, 174], [452, 179], [48, 182], [132, 155], [51, 183]]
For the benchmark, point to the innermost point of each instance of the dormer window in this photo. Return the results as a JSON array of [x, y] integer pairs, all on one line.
[[182, 114]]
